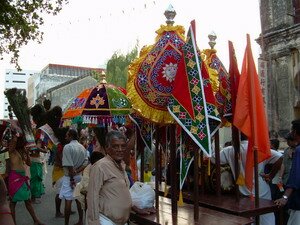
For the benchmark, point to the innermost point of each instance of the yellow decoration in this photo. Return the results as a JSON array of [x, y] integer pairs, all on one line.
[[191, 63], [179, 30], [180, 201], [226, 123], [196, 90], [97, 101], [176, 108], [200, 117], [213, 74], [50, 145], [150, 59], [166, 190], [147, 176], [151, 97], [194, 130], [241, 180]]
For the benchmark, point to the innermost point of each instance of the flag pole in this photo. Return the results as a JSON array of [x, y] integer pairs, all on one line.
[[218, 164], [196, 184], [157, 170], [141, 146], [173, 163], [236, 145]]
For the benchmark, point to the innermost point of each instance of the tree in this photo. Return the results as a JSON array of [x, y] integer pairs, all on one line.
[[20, 22], [117, 67]]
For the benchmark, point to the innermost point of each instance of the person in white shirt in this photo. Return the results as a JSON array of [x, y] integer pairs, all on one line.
[[74, 161], [227, 157]]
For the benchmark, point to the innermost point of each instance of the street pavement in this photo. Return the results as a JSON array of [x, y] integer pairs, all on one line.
[[45, 211]]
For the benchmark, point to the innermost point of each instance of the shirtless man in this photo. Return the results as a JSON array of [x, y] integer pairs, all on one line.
[[18, 182]]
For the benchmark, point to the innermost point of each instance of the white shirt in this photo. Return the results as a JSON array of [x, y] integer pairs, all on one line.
[[75, 155], [227, 156]]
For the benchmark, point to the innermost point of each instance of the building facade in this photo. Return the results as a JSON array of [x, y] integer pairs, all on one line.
[[63, 95], [279, 62], [15, 79], [53, 75]]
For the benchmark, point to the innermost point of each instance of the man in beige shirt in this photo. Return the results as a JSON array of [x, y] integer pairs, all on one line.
[[108, 197]]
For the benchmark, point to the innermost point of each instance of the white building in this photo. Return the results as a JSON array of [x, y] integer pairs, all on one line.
[[15, 79], [53, 75]]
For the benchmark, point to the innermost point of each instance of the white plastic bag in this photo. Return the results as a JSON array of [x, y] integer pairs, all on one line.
[[142, 195]]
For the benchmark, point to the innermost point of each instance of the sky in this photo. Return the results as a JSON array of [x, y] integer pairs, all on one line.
[[89, 34]]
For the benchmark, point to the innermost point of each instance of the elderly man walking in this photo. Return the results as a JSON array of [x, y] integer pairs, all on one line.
[[108, 197], [74, 161]]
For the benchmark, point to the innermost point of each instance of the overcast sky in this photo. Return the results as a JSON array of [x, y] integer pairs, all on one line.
[[87, 33]]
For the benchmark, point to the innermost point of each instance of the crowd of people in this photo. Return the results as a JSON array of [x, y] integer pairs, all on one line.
[[75, 156], [278, 178], [96, 172]]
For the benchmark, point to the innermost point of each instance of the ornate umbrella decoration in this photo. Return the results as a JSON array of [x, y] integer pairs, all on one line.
[[97, 106], [151, 76], [219, 78]]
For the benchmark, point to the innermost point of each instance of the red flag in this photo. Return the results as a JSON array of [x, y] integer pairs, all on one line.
[[181, 89], [249, 113], [234, 75]]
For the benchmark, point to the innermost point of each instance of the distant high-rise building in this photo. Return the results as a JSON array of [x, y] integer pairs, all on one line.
[[15, 79], [51, 76]]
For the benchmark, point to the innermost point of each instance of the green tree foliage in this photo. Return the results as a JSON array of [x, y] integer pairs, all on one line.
[[117, 67], [96, 75], [20, 22]]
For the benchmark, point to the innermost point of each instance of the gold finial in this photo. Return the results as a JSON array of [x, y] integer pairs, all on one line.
[[103, 78], [170, 13], [212, 39]]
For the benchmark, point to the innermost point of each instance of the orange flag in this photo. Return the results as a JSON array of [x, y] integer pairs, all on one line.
[[250, 116]]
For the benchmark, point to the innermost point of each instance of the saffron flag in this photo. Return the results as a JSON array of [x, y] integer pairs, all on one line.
[[188, 104], [249, 113]]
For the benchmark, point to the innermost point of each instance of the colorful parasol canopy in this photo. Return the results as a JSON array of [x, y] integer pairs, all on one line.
[[170, 82], [97, 106], [152, 75]]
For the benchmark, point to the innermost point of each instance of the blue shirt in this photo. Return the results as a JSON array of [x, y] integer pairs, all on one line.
[[294, 181]]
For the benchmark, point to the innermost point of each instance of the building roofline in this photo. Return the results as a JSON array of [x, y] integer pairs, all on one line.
[[69, 82], [70, 66]]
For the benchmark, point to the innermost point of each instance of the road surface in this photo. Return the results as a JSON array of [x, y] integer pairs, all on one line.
[[46, 209]]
